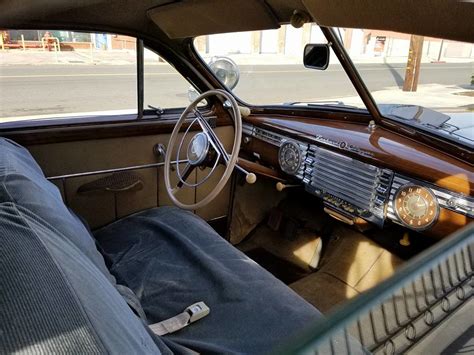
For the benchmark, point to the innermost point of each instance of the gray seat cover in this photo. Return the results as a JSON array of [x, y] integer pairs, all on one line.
[[23, 182], [53, 299], [171, 258], [58, 295]]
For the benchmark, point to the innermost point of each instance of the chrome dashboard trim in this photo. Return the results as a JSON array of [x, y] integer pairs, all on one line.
[[348, 184]]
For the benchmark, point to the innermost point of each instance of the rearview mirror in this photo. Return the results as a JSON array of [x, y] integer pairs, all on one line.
[[316, 56]]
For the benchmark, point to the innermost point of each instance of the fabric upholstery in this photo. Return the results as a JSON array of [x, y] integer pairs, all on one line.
[[23, 183], [54, 299], [432, 18], [171, 259], [212, 16], [58, 295]]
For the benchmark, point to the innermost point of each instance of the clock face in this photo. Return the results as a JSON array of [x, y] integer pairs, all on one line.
[[416, 206]]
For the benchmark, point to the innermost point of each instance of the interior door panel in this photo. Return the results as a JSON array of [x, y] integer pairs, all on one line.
[[100, 208]]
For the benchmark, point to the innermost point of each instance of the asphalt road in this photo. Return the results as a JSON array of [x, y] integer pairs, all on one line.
[[55, 89]]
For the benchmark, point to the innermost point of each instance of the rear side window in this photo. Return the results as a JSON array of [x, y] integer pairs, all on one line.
[[50, 74]]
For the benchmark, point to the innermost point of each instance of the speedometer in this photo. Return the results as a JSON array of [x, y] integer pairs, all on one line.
[[416, 206], [289, 157]]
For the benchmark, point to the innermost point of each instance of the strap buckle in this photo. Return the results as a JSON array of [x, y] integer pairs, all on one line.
[[190, 315], [197, 311]]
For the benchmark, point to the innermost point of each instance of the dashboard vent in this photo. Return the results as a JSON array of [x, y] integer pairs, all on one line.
[[344, 177]]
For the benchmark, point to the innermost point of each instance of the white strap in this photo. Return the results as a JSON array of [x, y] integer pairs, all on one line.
[[190, 315]]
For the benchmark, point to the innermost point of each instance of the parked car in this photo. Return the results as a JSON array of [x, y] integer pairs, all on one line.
[[236, 177]]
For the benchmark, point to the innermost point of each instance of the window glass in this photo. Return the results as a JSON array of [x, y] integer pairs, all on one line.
[[164, 86], [271, 67], [420, 80], [49, 74]]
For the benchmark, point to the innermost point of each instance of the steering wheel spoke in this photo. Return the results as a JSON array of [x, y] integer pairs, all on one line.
[[198, 151], [188, 169]]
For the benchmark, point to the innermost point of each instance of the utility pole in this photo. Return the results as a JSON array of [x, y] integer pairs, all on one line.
[[413, 64]]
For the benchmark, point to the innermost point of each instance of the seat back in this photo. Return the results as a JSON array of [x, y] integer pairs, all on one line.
[[54, 299], [23, 183], [57, 295]]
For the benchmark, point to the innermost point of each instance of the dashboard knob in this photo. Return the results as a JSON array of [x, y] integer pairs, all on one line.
[[281, 186], [251, 178]]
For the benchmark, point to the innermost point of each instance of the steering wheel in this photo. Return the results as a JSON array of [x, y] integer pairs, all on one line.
[[204, 149]]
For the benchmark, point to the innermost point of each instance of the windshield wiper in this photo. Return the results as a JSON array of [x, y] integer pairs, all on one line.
[[320, 103]]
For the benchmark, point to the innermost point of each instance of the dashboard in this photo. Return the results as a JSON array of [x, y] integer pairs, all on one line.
[[354, 183]]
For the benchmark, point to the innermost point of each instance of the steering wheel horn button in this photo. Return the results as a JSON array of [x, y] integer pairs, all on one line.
[[197, 149]]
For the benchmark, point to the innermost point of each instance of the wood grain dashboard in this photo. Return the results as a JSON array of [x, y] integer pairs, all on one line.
[[376, 146]]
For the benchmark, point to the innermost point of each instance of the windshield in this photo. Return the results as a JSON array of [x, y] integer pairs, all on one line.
[[271, 69], [423, 81]]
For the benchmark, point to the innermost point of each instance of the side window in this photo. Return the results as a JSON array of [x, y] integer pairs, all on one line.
[[50, 74], [164, 86]]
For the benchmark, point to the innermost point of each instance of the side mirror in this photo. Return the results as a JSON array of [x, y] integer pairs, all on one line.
[[316, 56], [226, 71]]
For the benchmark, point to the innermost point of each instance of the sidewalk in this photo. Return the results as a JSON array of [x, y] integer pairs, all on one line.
[[127, 57], [430, 95], [31, 57]]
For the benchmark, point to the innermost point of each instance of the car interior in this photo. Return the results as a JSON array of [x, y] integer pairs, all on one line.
[[215, 228]]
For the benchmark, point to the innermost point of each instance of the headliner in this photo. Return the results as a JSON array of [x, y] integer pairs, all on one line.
[[450, 19]]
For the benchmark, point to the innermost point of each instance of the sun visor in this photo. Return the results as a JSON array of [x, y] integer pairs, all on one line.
[[191, 18], [449, 19]]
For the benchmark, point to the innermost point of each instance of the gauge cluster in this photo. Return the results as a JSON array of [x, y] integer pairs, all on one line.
[[290, 157]]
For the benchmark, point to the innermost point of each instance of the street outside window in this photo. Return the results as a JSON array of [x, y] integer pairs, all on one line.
[[271, 67], [418, 80], [50, 74], [164, 86]]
